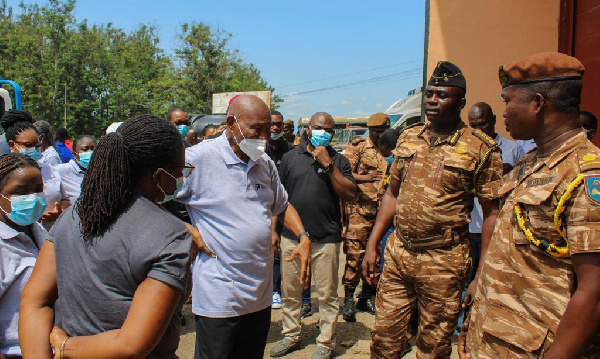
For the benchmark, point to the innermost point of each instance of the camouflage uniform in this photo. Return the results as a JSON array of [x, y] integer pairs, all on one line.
[[427, 258], [361, 212], [523, 292]]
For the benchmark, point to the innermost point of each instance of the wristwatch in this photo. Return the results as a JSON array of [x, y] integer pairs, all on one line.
[[305, 233], [329, 167]]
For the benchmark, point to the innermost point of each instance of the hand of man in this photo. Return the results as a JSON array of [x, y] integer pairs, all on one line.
[[321, 155], [369, 266], [376, 175], [275, 242], [52, 215], [198, 240], [302, 251], [57, 336], [462, 346], [470, 293]]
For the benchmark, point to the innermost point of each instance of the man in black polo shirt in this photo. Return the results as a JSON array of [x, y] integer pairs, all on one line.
[[277, 146], [315, 177]]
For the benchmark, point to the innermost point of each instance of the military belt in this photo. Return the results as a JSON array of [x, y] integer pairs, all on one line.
[[449, 237]]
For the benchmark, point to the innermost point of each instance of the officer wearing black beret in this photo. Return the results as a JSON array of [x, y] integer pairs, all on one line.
[[439, 167]]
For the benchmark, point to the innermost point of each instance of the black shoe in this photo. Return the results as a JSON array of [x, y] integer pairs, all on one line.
[[366, 305], [349, 312], [306, 310]]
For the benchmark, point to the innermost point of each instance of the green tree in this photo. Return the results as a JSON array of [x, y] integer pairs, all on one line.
[[109, 74], [207, 64]]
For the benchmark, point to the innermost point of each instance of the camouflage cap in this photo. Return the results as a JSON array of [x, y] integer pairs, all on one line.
[[288, 124], [544, 66], [447, 74], [378, 119]]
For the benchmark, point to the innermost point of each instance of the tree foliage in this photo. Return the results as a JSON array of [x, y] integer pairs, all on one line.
[[108, 74]]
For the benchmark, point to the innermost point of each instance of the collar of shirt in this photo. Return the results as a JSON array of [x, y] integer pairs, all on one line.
[[229, 156], [565, 149], [39, 233], [425, 134], [75, 166], [369, 143]]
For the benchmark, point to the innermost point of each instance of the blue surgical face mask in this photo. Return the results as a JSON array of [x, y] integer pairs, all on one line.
[[26, 209], [32, 152], [275, 137], [183, 130], [320, 138], [178, 187], [389, 159], [84, 158]]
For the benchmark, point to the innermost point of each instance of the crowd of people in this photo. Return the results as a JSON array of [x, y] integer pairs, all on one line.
[[446, 226]]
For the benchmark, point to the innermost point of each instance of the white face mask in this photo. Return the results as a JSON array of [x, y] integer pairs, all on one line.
[[253, 147]]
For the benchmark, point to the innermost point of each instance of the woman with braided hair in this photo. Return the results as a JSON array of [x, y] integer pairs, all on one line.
[[23, 138], [118, 269], [22, 203]]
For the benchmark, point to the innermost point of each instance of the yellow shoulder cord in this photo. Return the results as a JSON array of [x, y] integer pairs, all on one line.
[[548, 248], [473, 190]]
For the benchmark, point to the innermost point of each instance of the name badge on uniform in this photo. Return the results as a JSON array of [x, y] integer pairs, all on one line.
[[592, 188]]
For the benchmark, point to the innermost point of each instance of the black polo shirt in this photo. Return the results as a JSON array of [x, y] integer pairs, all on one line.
[[311, 193], [277, 154]]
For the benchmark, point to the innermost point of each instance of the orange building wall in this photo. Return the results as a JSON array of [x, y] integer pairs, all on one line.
[[479, 36]]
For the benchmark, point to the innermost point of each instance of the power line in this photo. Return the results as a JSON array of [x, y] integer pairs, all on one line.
[[349, 74], [385, 78]]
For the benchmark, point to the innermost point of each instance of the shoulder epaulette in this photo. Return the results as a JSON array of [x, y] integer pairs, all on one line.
[[358, 140], [485, 138], [589, 159], [414, 125]]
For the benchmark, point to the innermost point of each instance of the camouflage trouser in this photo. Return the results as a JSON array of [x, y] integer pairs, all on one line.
[[433, 280], [355, 242]]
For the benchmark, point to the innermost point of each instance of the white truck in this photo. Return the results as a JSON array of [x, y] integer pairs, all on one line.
[[406, 111], [6, 103]]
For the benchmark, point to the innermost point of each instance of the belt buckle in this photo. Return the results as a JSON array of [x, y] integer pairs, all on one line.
[[408, 243]]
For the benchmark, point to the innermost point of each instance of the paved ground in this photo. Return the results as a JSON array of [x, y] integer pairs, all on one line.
[[353, 339]]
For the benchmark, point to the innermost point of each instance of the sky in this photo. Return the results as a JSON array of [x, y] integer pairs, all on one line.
[[348, 58]]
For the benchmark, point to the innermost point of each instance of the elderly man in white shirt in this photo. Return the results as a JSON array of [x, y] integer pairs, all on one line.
[[231, 197]]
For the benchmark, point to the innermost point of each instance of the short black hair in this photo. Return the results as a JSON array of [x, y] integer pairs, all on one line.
[[16, 121], [13, 161], [389, 138], [79, 138], [276, 113], [565, 95], [61, 134], [2, 103], [174, 109], [208, 127], [590, 117]]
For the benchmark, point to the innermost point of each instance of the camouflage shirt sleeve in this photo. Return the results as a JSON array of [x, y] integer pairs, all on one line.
[[583, 215], [352, 153], [489, 175]]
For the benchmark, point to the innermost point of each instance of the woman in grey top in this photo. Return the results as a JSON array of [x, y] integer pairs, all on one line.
[[117, 272]]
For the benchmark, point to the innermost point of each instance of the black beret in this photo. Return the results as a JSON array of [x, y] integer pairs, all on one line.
[[447, 74]]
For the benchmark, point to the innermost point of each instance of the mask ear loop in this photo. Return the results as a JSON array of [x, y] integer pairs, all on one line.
[[8, 199]]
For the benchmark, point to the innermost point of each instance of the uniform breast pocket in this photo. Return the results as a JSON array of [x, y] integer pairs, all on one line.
[[537, 205], [457, 173]]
